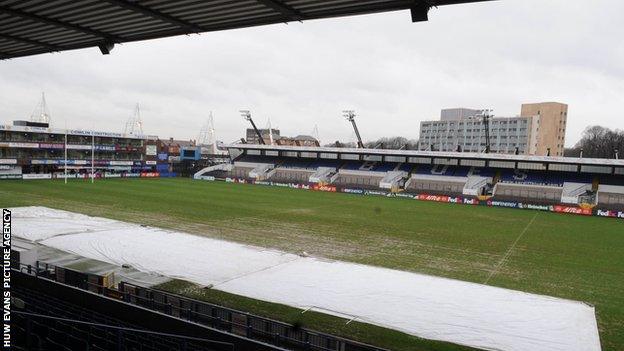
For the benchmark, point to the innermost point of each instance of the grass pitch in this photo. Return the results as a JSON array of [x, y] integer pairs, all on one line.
[[574, 257]]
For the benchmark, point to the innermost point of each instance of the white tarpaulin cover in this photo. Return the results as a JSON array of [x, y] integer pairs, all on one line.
[[426, 306]]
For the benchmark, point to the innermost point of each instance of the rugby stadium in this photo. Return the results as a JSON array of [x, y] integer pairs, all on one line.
[[547, 226]]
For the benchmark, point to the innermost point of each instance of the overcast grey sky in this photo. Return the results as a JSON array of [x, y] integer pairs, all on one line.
[[394, 73]]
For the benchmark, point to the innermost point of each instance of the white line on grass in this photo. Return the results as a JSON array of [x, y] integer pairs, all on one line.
[[508, 253]]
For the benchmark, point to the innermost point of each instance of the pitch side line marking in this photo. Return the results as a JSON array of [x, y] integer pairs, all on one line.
[[511, 248]]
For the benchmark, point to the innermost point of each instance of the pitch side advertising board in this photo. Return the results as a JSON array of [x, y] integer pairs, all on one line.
[[440, 198], [37, 176]]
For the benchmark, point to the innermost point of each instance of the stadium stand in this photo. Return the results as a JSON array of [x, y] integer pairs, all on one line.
[[534, 180], [63, 309], [438, 180], [53, 316], [543, 194], [436, 184], [48, 323], [611, 196]]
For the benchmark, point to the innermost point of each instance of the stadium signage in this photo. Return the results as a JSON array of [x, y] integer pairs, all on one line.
[[8, 161], [438, 198], [278, 184], [37, 176], [151, 150], [376, 192], [51, 146], [149, 174], [328, 188], [537, 207], [434, 198], [353, 191], [574, 210], [609, 213], [503, 204], [78, 147], [24, 145], [471, 201], [121, 163], [209, 178], [10, 176], [94, 133], [45, 162]]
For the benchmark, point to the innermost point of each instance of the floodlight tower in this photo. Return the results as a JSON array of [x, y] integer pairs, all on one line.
[[134, 124], [41, 113], [486, 115], [247, 116], [350, 116], [207, 135]]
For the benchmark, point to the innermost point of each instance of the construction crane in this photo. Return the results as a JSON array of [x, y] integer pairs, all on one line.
[[247, 115], [350, 116]]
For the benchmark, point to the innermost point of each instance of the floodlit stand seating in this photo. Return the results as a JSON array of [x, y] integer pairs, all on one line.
[[324, 175], [578, 193], [366, 175], [253, 167], [438, 180], [393, 180], [528, 193], [217, 171], [289, 175], [364, 181], [262, 171], [477, 185], [436, 184], [292, 170], [611, 196], [543, 177]]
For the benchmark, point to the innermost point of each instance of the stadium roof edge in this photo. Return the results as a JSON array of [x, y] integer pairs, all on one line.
[[437, 154], [45, 26]]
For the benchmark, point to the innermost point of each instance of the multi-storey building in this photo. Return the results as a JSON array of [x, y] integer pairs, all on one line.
[[35, 148], [539, 130], [552, 122]]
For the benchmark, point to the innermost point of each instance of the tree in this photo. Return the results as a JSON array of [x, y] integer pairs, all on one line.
[[391, 143], [598, 142]]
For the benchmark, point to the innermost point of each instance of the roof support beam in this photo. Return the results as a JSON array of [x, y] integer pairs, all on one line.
[[31, 42], [135, 7], [284, 9], [57, 23], [420, 11]]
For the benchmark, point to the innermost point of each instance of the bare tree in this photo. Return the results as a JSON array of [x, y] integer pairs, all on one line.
[[392, 143], [598, 142]]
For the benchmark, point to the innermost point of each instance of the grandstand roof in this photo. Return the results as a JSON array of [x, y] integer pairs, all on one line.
[[41, 26], [438, 154]]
